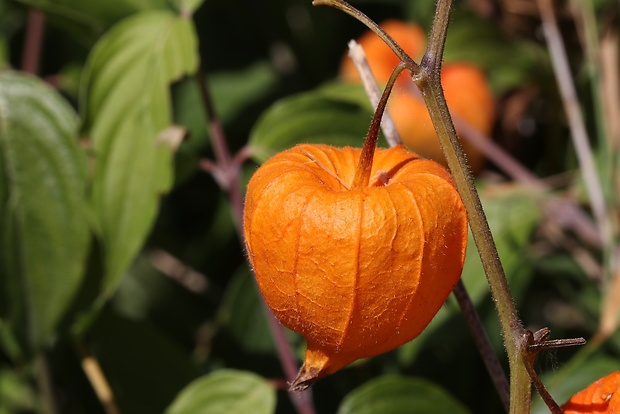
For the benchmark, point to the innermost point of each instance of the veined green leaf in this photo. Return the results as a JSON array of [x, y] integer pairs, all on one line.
[[44, 235], [226, 391], [127, 107], [392, 394]]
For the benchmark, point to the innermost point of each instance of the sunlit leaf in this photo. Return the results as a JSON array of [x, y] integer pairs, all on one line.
[[127, 106], [16, 394], [44, 235], [513, 214], [226, 391], [391, 394]]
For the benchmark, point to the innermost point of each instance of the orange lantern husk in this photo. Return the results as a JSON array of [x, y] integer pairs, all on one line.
[[600, 397], [357, 272]]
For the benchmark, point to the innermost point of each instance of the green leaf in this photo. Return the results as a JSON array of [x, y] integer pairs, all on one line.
[[226, 391], [242, 315], [509, 63], [44, 234], [234, 90], [127, 108], [16, 394], [512, 213], [393, 394], [91, 18], [339, 115]]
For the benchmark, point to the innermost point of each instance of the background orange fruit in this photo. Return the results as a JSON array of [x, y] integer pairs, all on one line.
[[381, 59], [467, 92], [468, 96]]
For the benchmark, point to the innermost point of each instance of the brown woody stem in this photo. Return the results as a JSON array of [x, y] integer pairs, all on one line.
[[364, 165], [231, 181], [533, 344]]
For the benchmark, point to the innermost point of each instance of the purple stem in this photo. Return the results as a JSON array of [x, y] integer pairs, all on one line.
[[494, 368], [228, 177], [33, 41]]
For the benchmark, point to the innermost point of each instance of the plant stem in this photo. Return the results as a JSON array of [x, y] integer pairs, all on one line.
[[357, 55], [364, 166], [483, 344], [33, 42], [227, 169], [352, 11], [512, 329], [44, 381], [576, 124], [96, 377]]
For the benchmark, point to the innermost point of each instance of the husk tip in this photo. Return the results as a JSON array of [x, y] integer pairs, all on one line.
[[305, 378]]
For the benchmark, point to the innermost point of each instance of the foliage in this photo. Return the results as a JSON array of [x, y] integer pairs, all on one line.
[[120, 254]]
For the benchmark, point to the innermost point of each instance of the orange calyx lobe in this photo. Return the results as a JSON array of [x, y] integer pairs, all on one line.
[[356, 271], [600, 397]]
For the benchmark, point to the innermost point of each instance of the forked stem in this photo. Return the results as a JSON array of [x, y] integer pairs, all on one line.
[[512, 328], [427, 77], [521, 347], [364, 165], [371, 24]]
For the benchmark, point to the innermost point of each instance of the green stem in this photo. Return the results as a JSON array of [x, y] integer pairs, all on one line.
[[512, 328], [427, 77]]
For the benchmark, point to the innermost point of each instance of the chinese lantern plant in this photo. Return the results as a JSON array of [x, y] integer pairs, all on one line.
[[600, 397], [355, 249], [466, 88]]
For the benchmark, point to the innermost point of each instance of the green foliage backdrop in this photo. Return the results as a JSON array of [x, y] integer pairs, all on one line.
[[120, 253]]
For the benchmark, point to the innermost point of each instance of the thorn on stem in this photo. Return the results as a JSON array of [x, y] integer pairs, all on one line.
[[532, 345]]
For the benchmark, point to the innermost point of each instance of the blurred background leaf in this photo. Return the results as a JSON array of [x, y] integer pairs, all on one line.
[[392, 394], [226, 391], [337, 115]]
